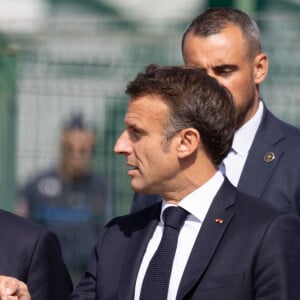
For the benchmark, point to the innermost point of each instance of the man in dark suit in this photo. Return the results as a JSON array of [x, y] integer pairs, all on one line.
[[179, 126], [264, 160], [32, 254]]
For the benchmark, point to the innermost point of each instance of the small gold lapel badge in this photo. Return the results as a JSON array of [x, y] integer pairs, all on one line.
[[269, 156]]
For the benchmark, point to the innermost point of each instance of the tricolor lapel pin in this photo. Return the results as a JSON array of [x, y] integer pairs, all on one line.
[[219, 221]]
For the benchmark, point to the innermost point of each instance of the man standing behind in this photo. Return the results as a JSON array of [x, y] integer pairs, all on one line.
[[225, 244], [264, 159]]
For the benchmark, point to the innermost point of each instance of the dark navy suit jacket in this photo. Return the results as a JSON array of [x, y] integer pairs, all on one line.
[[252, 254], [276, 181], [32, 254]]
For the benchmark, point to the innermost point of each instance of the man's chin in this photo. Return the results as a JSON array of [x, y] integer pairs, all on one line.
[[141, 189], [138, 190]]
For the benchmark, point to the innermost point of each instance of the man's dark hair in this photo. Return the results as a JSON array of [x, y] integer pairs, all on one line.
[[214, 20], [196, 100]]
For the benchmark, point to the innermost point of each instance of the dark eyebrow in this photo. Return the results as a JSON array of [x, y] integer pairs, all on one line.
[[223, 67]]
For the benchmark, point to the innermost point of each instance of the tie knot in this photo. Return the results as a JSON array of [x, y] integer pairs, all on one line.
[[174, 217]]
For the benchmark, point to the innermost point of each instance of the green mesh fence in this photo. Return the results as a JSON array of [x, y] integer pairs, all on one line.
[[84, 64], [8, 117]]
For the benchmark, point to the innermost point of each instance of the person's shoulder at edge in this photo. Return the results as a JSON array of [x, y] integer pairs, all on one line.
[[27, 231], [254, 211], [287, 128], [24, 238], [12, 221]]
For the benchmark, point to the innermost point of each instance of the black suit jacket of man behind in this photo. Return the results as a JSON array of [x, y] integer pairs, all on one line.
[[32, 254], [276, 181], [251, 252]]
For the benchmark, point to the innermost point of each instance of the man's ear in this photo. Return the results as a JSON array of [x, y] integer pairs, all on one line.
[[261, 65], [188, 142]]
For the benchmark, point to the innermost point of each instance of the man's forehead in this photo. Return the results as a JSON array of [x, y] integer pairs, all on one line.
[[146, 108], [213, 55]]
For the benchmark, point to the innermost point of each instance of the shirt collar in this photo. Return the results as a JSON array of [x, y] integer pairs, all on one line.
[[244, 136], [198, 202]]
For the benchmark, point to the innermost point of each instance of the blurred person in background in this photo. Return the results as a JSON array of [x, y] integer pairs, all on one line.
[[69, 199], [264, 159]]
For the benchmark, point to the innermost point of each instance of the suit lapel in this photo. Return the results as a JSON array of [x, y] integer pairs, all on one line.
[[258, 169], [263, 157], [212, 230], [148, 219]]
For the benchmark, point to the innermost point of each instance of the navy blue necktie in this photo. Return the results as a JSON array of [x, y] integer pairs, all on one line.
[[156, 281]]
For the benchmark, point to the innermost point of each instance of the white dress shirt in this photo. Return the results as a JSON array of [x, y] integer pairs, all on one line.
[[197, 204], [232, 166]]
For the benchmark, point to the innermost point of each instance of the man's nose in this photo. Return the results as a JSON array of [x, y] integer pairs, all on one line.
[[122, 145]]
